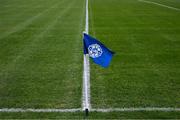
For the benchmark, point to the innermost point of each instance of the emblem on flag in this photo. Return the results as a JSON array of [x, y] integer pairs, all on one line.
[[95, 50]]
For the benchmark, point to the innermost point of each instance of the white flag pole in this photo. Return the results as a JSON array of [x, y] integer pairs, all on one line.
[[86, 73]]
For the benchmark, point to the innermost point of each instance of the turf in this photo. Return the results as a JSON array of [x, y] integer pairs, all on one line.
[[41, 57], [93, 115], [145, 70]]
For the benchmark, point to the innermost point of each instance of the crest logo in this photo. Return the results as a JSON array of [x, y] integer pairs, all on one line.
[[95, 51]]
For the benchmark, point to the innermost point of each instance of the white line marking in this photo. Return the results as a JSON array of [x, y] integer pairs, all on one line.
[[86, 73], [137, 109], [131, 109], [87, 18], [159, 4], [86, 84], [38, 110]]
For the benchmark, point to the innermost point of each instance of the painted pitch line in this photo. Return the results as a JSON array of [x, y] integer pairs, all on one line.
[[39, 110], [150, 2], [87, 18], [163, 109], [86, 72], [86, 84]]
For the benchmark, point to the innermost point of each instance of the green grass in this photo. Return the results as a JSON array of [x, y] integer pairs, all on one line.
[[41, 57], [145, 71], [93, 115]]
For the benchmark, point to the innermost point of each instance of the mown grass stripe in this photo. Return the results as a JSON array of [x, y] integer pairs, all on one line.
[[34, 38], [27, 22]]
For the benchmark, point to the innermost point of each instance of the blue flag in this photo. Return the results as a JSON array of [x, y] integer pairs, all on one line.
[[99, 53]]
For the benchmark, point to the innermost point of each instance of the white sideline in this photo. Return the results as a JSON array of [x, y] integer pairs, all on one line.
[[38, 110], [131, 109], [159, 4], [86, 72], [163, 109]]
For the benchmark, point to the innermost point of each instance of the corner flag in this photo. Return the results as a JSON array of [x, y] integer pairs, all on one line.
[[99, 53]]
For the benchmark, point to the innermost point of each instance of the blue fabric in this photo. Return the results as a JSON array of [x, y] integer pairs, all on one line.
[[99, 53]]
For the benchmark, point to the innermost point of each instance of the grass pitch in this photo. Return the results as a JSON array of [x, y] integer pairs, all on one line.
[[146, 68], [41, 56]]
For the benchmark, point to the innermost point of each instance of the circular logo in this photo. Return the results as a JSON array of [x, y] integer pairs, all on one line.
[[95, 50]]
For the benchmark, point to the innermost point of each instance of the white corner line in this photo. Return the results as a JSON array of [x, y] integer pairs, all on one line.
[[131, 109], [155, 3], [86, 71], [39, 110]]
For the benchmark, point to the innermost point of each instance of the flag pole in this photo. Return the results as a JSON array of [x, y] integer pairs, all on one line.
[[86, 72]]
